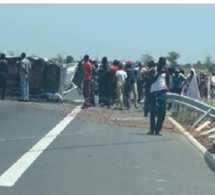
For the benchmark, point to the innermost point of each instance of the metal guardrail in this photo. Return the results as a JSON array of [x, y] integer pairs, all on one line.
[[191, 103]]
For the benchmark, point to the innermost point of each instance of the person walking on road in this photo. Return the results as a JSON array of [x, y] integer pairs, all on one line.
[[157, 97], [25, 67], [3, 75]]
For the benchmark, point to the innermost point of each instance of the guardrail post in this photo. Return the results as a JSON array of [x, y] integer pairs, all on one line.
[[180, 112], [201, 118], [193, 109]]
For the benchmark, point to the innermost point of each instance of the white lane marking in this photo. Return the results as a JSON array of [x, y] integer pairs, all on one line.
[[10, 176]]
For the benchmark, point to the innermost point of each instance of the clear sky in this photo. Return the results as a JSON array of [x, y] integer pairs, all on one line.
[[116, 31]]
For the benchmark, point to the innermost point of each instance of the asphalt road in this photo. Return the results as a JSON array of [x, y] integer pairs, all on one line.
[[90, 158]]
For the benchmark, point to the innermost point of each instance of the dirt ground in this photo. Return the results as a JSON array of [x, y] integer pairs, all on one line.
[[203, 139], [131, 118]]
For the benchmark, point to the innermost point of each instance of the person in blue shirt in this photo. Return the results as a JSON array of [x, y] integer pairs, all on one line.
[[178, 81]]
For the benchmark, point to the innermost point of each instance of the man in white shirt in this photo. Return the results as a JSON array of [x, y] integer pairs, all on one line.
[[24, 77], [121, 77], [158, 98]]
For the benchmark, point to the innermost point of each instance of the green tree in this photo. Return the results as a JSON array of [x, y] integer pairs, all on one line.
[[146, 58], [69, 59], [172, 58]]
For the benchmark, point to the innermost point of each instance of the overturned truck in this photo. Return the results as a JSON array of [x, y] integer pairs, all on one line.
[[45, 76]]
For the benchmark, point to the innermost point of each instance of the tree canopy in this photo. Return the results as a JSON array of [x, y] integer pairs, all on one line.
[[146, 58], [69, 59], [172, 58]]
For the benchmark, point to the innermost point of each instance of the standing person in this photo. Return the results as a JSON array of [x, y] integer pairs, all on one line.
[[170, 72], [191, 87], [178, 81], [95, 77], [147, 86], [104, 83], [203, 87], [94, 83], [114, 68], [3, 74], [25, 67], [121, 77], [158, 97], [140, 81], [87, 66], [130, 85]]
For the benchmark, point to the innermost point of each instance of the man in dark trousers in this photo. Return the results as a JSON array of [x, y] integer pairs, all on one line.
[[93, 83], [147, 86], [157, 97], [113, 81], [3, 74], [104, 83]]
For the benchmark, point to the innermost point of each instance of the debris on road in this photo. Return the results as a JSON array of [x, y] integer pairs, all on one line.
[[127, 118]]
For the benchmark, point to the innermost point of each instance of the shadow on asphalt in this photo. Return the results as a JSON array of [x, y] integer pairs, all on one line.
[[109, 144], [91, 146], [209, 161]]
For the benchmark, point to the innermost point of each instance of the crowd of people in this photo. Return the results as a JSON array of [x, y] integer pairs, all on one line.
[[123, 84], [193, 85], [118, 81]]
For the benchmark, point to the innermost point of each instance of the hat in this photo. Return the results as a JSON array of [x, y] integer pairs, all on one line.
[[129, 62]]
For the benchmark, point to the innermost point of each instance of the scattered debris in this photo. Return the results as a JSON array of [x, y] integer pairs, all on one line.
[[121, 118]]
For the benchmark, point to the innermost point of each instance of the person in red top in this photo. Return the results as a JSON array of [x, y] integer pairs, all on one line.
[[87, 66], [113, 81]]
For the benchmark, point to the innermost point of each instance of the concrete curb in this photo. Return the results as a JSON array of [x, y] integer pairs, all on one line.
[[209, 157]]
